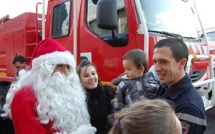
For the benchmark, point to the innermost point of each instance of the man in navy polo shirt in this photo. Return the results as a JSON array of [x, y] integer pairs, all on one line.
[[170, 59]]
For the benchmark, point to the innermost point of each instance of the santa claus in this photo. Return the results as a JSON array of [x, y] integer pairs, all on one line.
[[49, 98]]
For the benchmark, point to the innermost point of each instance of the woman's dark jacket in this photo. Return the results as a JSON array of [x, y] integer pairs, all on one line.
[[99, 107]]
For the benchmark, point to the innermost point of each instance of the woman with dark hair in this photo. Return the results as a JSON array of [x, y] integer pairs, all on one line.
[[99, 97]]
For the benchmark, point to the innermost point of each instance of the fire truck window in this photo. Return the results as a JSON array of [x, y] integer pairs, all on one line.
[[211, 36], [121, 14], [60, 24]]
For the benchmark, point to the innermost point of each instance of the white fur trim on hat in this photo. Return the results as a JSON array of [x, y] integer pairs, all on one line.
[[55, 58]]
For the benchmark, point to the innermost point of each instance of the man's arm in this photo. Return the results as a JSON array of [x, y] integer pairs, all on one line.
[[193, 120]]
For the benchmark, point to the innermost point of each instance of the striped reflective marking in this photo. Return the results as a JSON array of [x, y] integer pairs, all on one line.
[[192, 119], [205, 49], [200, 49], [197, 48], [108, 83], [3, 74], [193, 48]]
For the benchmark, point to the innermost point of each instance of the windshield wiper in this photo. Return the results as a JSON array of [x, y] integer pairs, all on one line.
[[167, 34], [192, 38]]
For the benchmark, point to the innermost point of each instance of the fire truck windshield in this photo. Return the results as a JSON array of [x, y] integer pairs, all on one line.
[[173, 16]]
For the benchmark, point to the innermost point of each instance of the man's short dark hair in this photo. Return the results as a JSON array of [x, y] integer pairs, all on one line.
[[178, 47], [19, 58]]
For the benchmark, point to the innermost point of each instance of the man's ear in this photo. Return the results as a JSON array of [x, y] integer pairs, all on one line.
[[183, 63], [142, 69]]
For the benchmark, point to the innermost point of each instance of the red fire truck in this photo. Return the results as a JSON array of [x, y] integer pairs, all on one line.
[[102, 31]]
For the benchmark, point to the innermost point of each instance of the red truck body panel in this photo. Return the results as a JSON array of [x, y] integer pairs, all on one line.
[[17, 37]]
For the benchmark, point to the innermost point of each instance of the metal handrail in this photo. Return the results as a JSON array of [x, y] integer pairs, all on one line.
[[37, 21], [142, 27]]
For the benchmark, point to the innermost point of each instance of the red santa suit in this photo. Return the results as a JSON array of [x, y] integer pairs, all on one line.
[[45, 101], [25, 118]]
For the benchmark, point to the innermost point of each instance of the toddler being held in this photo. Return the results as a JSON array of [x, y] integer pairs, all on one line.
[[136, 83]]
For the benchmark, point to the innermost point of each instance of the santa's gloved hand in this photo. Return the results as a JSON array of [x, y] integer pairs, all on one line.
[[85, 129]]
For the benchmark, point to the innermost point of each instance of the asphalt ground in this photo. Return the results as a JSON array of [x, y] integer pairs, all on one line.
[[210, 121]]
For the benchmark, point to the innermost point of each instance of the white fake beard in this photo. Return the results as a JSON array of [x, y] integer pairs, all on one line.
[[60, 99], [63, 102]]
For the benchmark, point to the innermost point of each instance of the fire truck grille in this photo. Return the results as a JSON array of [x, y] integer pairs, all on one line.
[[197, 75]]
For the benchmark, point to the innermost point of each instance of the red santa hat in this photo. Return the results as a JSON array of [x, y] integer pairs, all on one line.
[[51, 51]]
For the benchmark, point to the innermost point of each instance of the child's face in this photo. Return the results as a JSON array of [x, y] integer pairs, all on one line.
[[131, 71]]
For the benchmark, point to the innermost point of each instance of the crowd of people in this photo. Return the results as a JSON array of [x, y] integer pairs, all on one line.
[[56, 96]]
